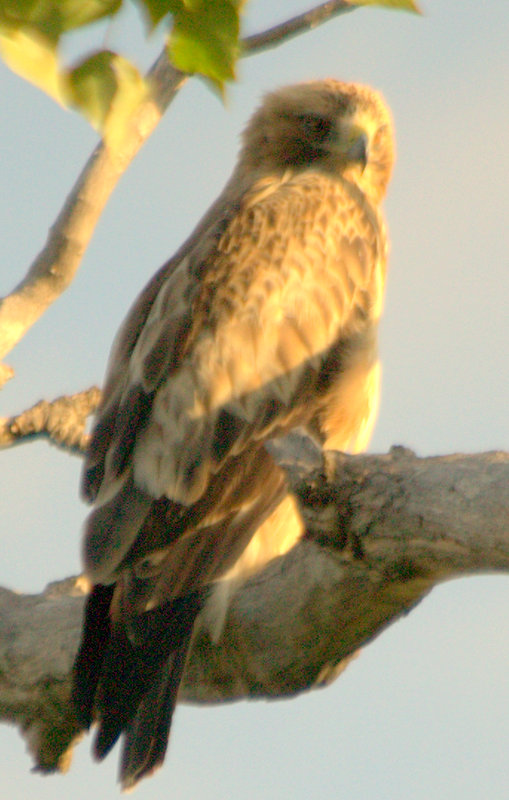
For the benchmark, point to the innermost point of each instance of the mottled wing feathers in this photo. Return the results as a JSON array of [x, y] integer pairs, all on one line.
[[126, 396], [117, 377], [266, 309]]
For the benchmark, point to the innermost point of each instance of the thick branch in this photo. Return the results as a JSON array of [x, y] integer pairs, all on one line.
[[382, 531]]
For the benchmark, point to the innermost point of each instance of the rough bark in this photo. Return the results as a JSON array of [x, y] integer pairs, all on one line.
[[61, 421], [381, 532]]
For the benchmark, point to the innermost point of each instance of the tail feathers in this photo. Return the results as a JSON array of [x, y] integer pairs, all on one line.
[[125, 677], [138, 684], [146, 737], [88, 663]]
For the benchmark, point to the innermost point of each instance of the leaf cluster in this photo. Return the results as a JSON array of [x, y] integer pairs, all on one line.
[[202, 37]]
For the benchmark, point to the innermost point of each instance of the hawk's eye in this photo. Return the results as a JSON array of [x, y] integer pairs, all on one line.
[[316, 127]]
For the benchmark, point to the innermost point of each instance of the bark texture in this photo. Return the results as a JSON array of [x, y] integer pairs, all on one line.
[[61, 421], [381, 532]]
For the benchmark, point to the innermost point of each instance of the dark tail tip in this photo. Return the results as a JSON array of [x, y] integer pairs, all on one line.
[[128, 678], [90, 656], [146, 738]]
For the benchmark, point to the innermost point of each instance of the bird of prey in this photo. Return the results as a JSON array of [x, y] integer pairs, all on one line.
[[263, 322]]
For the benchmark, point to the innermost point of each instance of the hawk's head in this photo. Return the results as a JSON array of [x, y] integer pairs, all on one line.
[[341, 128]]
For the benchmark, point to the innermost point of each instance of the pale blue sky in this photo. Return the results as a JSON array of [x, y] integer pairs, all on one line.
[[424, 710]]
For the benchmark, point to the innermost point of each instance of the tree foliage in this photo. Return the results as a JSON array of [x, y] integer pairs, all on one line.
[[203, 37]]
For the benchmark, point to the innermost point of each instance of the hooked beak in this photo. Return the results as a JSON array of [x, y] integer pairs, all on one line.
[[358, 150]]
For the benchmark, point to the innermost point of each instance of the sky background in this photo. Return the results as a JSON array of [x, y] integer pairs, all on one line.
[[424, 710]]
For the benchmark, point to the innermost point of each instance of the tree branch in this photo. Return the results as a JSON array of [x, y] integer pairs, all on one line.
[[55, 266], [381, 532], [62, 421], [302, 23]]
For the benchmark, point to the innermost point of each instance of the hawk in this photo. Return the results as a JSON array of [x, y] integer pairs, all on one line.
[[263, 322]]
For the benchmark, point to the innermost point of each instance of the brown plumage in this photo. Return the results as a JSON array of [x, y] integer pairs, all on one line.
[[264, 321]]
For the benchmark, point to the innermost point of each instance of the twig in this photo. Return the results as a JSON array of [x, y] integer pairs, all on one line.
[[292, 27], [6, 373], [62, 421]]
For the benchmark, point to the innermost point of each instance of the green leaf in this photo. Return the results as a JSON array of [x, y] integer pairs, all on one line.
[[32, 56], [192, 5], [54, 17], [77, 13], [91, 87], [155, 10], [205, 39], [401, 5], [107, 89]]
